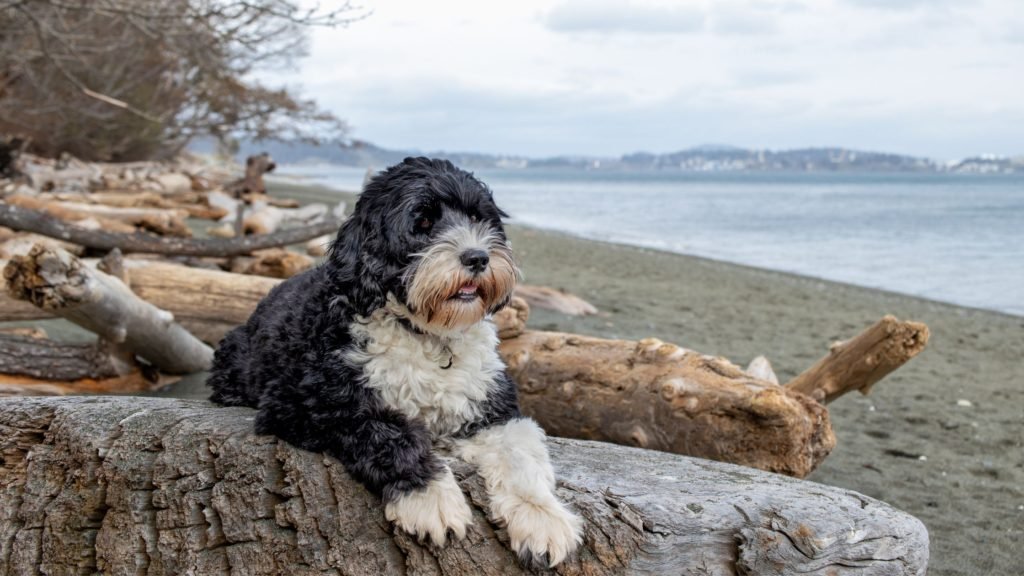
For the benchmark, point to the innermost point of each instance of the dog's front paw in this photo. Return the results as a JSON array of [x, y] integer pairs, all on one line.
[[433, 510], [544, 529]]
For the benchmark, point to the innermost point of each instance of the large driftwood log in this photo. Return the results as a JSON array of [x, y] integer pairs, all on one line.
[[656, 395], [60, 283], [859, 363], [130, 485], [29, 220]]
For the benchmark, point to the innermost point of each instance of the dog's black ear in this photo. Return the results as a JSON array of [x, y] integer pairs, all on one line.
[[356, 278]]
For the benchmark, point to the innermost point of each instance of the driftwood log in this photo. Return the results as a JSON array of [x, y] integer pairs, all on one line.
[[60, 283], [29, 220], [656, 395], [120, 485]]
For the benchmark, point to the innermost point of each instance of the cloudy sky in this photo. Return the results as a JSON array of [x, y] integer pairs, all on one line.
[[940, 78]]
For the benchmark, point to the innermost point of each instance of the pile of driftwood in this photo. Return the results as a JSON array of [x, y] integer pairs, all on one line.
[[159, 303], [159, 299]]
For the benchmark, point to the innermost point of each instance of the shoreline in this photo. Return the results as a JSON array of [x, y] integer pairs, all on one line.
[[313, 191], [752, 268]]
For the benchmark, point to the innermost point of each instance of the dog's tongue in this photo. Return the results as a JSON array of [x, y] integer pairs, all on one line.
[[468, 289]]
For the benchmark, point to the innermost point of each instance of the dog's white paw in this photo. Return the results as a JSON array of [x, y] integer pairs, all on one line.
[[433, 510], [538, 529]]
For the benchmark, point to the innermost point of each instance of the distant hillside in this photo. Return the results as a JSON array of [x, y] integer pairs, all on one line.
[[706, 158]]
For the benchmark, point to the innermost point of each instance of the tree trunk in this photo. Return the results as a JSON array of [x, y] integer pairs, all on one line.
[[860, 362], [660, 396], [58, 282], [29, 220], [122, 485]]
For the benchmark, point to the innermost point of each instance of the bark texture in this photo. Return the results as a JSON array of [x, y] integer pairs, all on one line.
[[60, 283], [158, 486], [660, 396], [860, 362], [29, 220]]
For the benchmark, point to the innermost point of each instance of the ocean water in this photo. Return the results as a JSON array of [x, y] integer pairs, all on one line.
[[952, 238]]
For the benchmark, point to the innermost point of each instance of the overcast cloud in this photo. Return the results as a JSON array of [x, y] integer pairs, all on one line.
[[941, 78]]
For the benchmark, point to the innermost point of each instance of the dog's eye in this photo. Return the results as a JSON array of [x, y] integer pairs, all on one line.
[[424, 224]]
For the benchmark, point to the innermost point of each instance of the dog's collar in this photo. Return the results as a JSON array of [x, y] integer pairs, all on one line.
[[445, 348]]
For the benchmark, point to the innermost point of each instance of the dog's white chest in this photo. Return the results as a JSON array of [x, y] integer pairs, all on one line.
[[410, 371]]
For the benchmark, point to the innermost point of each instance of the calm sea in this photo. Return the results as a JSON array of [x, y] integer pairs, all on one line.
[[952, 238]]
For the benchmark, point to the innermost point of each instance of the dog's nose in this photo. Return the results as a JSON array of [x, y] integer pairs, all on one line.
[[475, 260]]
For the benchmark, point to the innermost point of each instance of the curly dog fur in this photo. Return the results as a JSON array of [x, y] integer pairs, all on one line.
[[384, 357]]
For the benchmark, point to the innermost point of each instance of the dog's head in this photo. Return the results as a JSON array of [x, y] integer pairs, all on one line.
[[431, 235]]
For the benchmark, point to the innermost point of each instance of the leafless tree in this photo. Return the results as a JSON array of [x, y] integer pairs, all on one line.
[[131, 79]]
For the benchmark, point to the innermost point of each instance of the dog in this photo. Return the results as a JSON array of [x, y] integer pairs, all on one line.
[[384, 357]]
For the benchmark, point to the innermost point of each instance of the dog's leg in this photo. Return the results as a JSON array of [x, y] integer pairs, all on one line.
[[513, 460], [389, 454]]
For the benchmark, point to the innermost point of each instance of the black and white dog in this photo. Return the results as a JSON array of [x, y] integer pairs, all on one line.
[[384, 358]]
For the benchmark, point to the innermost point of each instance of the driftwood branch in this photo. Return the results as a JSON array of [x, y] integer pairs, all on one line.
[[29, 220], [121, 485], [859, 363], [60, 283]]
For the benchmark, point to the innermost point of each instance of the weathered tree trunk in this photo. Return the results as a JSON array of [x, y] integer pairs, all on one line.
[[29, 220], [121, 485], [859, 363], [58, 282], [656, 395]]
